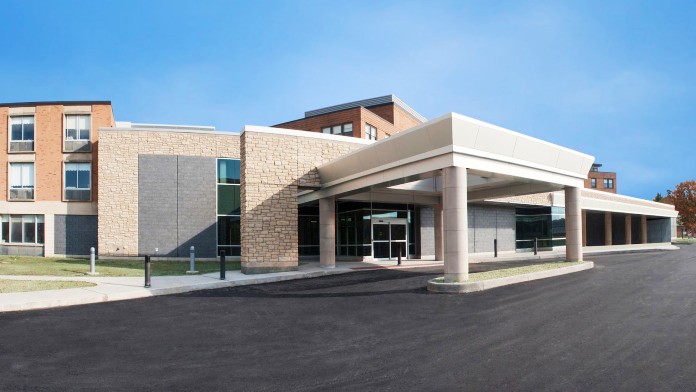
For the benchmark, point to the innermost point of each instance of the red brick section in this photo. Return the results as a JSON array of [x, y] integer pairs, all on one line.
[[48, 136], [360, 116], [600, 176], [4, 168], [395, 115], [102, 117]]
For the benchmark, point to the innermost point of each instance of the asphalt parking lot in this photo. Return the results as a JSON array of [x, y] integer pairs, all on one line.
[[628, 324]]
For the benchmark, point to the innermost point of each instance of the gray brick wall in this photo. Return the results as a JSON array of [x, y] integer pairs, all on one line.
[[487, 223], [74, 234], [157, 204], [197, 200], [427, 231], [177, 205]]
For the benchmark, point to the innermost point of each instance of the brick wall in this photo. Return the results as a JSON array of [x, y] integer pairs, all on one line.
[[4, 111], [118, 168], [600, 176], [388, 119], [273, 166]]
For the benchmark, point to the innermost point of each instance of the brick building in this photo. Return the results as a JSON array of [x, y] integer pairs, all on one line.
[[601, 180], [320, 187], [51, 177]]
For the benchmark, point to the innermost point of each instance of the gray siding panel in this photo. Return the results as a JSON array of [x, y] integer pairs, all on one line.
[[488, 223], [427, 231], [177, 205], [197, 205], [157, 204], [74, 234]]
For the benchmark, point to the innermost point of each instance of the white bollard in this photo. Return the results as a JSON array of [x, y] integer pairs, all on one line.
[[92, 257], [192, 261]]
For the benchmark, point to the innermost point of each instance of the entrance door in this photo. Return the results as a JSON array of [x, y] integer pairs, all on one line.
[[389, 237]]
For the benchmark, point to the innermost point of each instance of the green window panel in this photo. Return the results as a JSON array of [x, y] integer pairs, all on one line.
[[228, 200]]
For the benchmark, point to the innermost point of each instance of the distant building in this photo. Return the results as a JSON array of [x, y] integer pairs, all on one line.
[[600, 180], [372, 119]]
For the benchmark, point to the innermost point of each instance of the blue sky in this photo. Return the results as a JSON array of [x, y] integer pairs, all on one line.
[[611, 79]]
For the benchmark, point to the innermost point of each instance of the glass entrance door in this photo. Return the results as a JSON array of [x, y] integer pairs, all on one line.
[[389, 238]]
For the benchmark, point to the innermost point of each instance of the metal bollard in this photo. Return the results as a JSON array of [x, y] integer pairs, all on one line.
[[399, 258], [192, 261], [222, 264], [495, 247], [92, 257], [147, 272], [536, 245]]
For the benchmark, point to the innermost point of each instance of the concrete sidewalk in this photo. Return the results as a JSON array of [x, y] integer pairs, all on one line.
[[123, 288]]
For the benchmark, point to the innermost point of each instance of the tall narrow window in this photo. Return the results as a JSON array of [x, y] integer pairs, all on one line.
[[77, 133], [22, 181], [228, 206], [78, 181], [370, 132], [21, 133], [593, 182]]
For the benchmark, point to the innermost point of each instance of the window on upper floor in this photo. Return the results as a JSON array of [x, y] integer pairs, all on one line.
[[21, 133], [609, 183], [593, 182], [342, 129], [78, 184], [370, 132], [77, 133], [22, 181]]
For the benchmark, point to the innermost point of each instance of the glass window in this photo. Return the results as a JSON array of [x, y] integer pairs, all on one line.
[[370, 132], [593, 182], [22, 175], [5, 228], [39, 229], [77, 175], [228, 200], [77, 126], [228, 171], [609, 183], [229, 230], [29, 226], [16, 229], [326, 130], [22, 128]]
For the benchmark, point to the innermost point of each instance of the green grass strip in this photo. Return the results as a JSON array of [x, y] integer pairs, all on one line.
[[53, 266], [16, 286]]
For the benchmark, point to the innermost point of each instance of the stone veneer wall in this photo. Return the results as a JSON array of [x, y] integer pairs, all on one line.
[[118, 176], [273, 167]]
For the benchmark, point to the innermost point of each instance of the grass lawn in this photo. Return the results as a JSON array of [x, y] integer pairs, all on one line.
[[52, 266], [684, 241], [15, 286], [503, 273]]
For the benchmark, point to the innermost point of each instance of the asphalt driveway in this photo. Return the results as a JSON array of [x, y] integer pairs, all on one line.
[[629, 324]]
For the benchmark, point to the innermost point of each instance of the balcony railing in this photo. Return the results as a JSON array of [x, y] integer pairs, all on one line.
[[21, 193], [78, 194], [21, 145], [77, 146]]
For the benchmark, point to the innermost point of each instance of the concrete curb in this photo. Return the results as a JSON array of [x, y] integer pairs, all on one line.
[[101, 293], [470, 287]]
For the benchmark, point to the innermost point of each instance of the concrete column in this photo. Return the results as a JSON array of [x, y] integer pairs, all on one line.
[[439, 237], [627, 223], [643, 229], [573, 220], [327, 232], [454, 208], [49, 235], [584, 227], [607, 228]]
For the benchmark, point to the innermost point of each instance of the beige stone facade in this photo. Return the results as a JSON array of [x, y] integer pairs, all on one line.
[[118, 168], [274, 166]]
